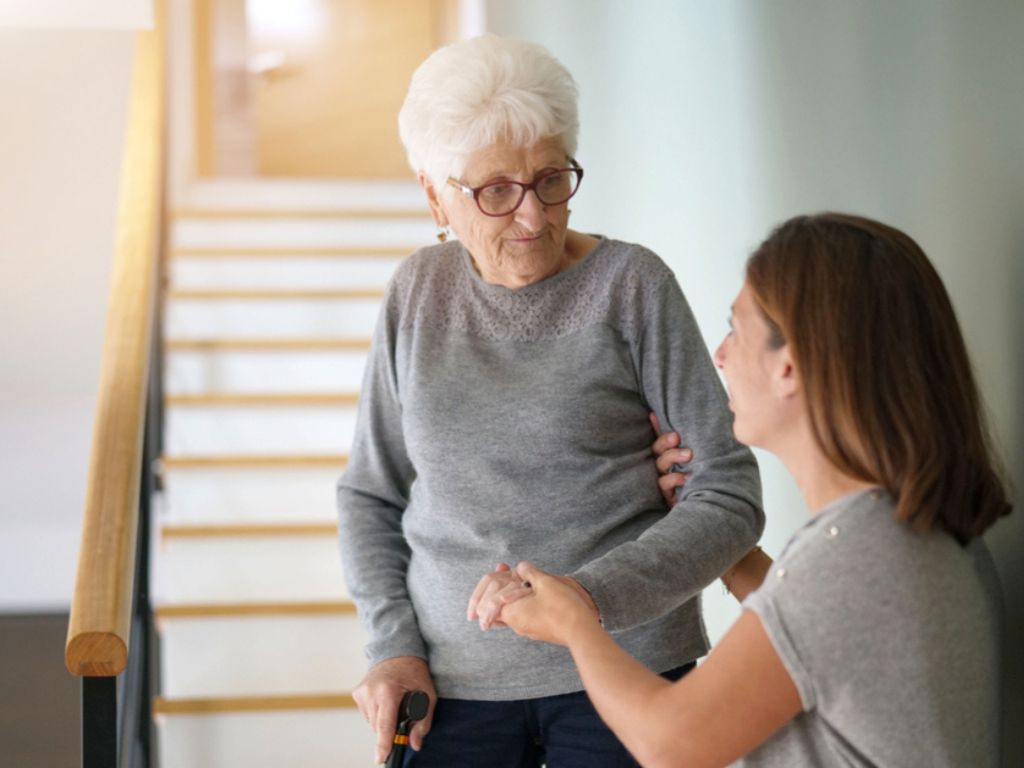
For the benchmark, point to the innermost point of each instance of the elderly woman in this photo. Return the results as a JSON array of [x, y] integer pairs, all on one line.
[[504, 416], [873, 640]]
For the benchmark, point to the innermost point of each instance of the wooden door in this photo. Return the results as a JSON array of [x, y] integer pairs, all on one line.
[[332, 75]]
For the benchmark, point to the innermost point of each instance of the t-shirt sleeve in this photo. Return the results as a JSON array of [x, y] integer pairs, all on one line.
[[816, 605], [773, 615]]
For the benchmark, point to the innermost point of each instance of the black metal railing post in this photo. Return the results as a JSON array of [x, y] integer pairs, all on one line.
[[117, 719], [99, 722]]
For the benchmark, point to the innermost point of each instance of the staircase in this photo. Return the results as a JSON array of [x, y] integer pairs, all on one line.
[[273, 290]]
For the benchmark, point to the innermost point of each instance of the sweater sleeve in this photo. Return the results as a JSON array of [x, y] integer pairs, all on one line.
[[717, 517], [372, 495]]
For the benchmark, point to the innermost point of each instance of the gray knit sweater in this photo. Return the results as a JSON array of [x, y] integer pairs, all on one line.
[[505, 425]]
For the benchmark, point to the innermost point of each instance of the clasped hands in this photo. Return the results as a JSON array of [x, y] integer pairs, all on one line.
[[535, 603], [532, 602]]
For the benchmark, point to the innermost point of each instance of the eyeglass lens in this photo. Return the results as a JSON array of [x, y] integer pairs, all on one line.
[[503, 197]]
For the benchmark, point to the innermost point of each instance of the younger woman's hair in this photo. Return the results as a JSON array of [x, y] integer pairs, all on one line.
[[891, 396], [474, 93]]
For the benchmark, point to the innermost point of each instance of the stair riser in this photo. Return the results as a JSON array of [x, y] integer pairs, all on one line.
[[406, 234], [231, 495], [264, 319], [260, 656], [225, 569], [306, 738], [295, 272], [212, 430], [243, 371]]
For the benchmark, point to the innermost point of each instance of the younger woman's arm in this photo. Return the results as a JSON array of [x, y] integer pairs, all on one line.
[[738, 697]]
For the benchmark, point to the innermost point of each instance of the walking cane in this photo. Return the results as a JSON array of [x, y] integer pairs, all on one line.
[[413, 707]]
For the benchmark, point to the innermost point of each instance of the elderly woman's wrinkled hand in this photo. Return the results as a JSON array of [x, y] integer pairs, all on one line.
[[495, 590], [379, 693], [553, 611]]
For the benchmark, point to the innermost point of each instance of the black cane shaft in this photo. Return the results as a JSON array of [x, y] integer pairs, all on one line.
[[412, 708]]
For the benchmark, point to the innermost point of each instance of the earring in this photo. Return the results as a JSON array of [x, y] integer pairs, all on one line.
[[442, 234]]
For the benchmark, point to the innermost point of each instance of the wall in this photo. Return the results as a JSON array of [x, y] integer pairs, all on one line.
[[77, 14], [65, 97], [704, 123]]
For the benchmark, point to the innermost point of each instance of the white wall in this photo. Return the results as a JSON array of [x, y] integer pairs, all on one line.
[[705, 123], [77, 14], [65, 95]]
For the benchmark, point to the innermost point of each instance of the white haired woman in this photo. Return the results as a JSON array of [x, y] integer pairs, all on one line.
[[505, 416]]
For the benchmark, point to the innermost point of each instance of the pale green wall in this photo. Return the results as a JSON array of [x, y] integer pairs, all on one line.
[[704, 123]]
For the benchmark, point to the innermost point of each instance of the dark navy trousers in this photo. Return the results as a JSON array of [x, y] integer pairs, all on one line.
[[554, 731]]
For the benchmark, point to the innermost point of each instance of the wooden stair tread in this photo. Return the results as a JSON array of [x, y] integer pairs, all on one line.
[[254, 460], [200, 531], [264, 345], [261, 251], [180, 214], [339, 294], [262, 399], [221, 610], [226, 704]]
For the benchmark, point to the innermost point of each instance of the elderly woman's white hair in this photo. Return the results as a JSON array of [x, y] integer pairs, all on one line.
[[473, 93]]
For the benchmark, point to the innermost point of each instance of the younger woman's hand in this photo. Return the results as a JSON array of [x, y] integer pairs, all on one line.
[[554, 609], [667, 455]]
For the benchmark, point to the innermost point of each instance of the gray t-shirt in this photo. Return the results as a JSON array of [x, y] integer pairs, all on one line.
[[891, 638], [504, 425]]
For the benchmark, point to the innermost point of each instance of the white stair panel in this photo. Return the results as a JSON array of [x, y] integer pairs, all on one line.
[[270, 318], [238, 569], [254, 371], [241, 495], [213, 430], [299, 194], [405, 233], [284, 273], [282, 652], [299, 739], [262, 655]]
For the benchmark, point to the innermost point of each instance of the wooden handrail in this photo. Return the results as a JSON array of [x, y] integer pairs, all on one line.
[[101, 609]]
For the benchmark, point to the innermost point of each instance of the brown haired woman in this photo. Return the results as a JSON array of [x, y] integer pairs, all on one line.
[[873, 639]]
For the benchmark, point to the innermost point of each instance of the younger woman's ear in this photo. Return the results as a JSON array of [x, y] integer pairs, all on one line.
[[785, 380], [433, 200]]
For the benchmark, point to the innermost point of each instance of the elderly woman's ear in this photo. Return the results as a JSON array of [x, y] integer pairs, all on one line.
[[433, 199]]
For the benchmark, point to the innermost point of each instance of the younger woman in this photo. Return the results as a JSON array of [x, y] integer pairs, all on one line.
[[873, 640]]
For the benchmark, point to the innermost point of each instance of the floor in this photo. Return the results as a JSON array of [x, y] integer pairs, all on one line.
[[39, 700]]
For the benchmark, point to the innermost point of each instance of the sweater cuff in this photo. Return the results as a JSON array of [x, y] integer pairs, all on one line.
[[599, 593], [394, 646]]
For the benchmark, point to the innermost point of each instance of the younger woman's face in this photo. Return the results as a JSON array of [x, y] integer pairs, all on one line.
[[751, 367]]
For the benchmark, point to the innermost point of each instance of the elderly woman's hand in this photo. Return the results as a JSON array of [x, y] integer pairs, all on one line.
[[552, 612], [667, 454], [380, 692], [492, 592]]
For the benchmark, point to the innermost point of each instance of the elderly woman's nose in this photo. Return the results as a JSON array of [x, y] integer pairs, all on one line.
[[531, 210]]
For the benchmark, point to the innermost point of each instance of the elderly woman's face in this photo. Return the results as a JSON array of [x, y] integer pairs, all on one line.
[[524, 246]]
